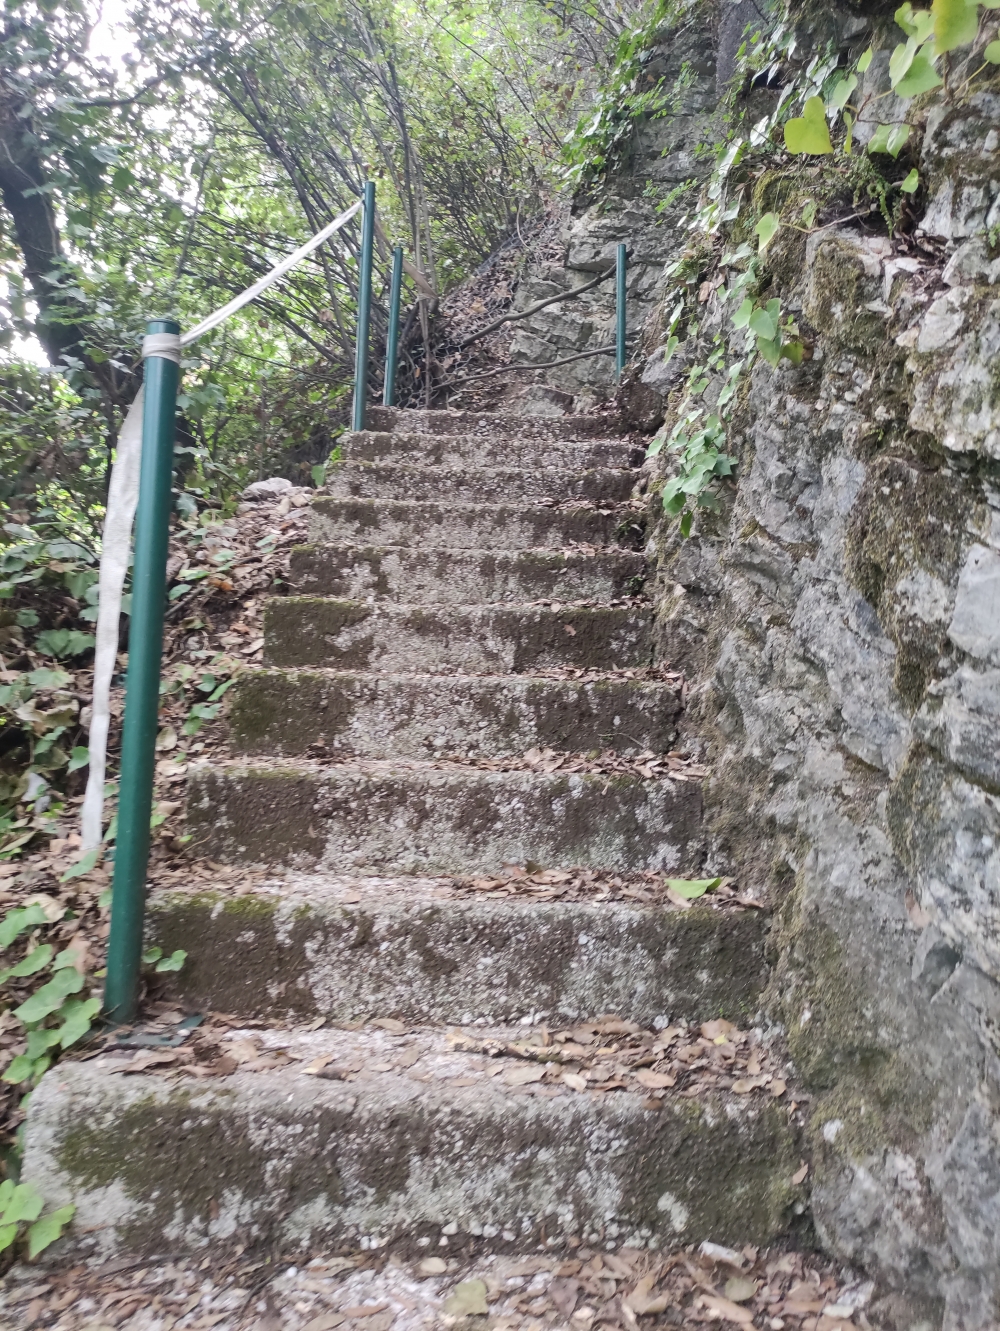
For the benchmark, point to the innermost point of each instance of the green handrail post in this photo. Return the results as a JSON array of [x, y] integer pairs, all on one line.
[[621, 260], [392, 337], [142, 690], [364, 306]]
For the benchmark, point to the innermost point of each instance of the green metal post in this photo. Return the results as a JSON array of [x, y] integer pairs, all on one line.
[[621, 258], [392, 337], [142, 691], [364, 306]]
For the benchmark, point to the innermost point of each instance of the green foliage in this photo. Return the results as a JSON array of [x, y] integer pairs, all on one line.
[[625, 95], [21, 1213], [692, 888], [154, 957]]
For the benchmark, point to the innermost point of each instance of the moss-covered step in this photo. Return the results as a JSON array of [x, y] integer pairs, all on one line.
[[475, 485], [438, 818], [498, 425], [464, 577], [487, 640], [477, 450], [471, 526], [284, 712], [415, 949], [378, 1152]]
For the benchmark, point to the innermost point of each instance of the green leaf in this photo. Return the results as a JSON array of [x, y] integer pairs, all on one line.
[[866, 59], [808, 213], [79, 757], [810, 132], [49, 998], [742, 316], [16, 921], [901, 60], [25, 1203], [763, 323], [770, 349], [43, 678], [767, 229], [922, 76], [174, 962], [842, 91], [318, 474], [83, 865], [468, 1300], [20, 1069], [916, 23], [48, 1229], [8, 1233], [956, 23], [686, 523], [78, 1022], [36, 960], [691, 888], [151, 954], [64, 642], [41, 1041], [911, 182], [889, 139], [793, 351], [992, 53]]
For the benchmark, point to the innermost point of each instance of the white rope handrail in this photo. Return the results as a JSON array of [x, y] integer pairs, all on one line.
[[123, 496]]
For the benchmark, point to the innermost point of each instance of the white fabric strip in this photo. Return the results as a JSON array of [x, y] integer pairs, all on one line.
[[123, 497]]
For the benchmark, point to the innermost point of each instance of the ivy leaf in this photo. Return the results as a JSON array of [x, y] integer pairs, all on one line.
[[25, 1203], [8, 1233], [692, 888], [79, 757], [956, 23], [742, 316], [44, 678], [78, 1022], [767, 229], [764, 324], [916, 23], [992, 53], [889, 139], [16, 921], [808, 213], [921, 76], [36, 960], [48, 1229], [843, 90], [770, 349], [83, 865], [865, 60], [50, 997], [810, 132], [911, 182], [21, 1068], [174, 962]]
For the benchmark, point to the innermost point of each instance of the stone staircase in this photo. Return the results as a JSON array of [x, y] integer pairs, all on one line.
[[471, 594]]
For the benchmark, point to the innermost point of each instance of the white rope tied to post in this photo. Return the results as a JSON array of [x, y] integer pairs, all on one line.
[[123, 497]]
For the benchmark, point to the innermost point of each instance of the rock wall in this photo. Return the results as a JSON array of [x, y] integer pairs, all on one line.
[[839, 622]]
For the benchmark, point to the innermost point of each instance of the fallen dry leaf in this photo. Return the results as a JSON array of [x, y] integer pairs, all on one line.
[[523, 1074], [717, 1306]]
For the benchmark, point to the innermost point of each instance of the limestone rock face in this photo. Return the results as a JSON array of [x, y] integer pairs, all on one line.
[[839, 624]]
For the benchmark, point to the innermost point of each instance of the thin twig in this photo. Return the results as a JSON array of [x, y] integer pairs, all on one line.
[[542, 365], [550, 300]]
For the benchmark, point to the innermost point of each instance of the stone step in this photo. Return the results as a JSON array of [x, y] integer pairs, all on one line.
[[483, 485], [498, 425], [422, 716], [475, 640], [422, 818], [464, 577], [406, 1138], [479, 450], [472, 526], [413, 949]]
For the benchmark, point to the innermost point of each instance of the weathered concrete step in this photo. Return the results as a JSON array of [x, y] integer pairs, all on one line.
[[498, 425], [287, 1159], [406, 948], [479, 450], [486, 640], [421, 716], [483, 485], [471, 526], [430, 819], [464, 577]]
